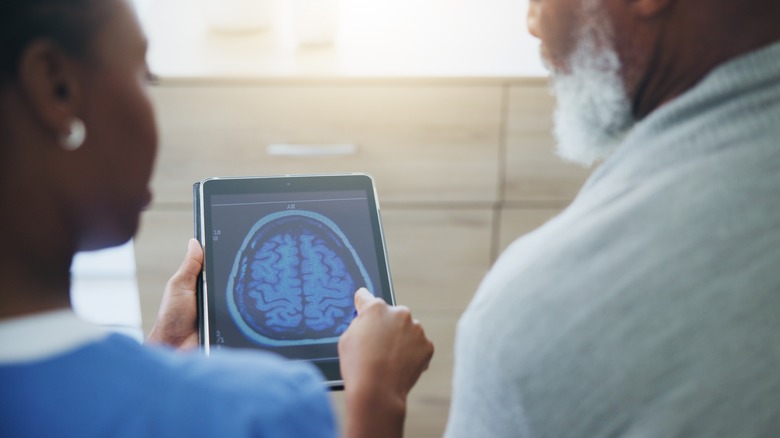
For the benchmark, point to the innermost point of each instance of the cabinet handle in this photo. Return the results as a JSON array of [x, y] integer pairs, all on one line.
[[311, 150]]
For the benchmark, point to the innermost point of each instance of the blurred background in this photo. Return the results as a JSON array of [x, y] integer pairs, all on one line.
[[444, 102]]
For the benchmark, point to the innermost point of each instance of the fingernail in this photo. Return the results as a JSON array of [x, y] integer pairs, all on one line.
[[192, 244]]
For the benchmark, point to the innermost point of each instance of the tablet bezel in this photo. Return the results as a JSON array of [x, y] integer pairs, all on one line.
[[284, 184]]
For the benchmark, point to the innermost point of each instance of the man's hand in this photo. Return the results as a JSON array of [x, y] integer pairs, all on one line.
[[382, 354], [177, 320]]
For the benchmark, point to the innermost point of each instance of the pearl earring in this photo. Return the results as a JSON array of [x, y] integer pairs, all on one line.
[[76, 135]]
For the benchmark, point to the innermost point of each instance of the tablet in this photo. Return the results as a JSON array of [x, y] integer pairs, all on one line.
[[284, 256]]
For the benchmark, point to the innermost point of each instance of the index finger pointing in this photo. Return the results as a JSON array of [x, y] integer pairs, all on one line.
[[363, 297]]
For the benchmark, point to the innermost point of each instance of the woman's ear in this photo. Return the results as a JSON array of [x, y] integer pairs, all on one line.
[[49, 80]]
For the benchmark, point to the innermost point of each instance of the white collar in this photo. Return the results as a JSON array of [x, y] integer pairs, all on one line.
[[44, 335]]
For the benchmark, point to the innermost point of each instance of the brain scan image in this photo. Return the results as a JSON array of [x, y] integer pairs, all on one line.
[[293, 280]]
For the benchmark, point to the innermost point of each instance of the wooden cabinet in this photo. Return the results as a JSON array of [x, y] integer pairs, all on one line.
[[437, 256], [421, 143], [462, 169], [432, 149]]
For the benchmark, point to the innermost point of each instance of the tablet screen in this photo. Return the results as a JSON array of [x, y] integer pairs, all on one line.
[[284, 257]]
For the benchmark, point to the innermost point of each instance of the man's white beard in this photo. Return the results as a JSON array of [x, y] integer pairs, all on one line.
[[593, 112]]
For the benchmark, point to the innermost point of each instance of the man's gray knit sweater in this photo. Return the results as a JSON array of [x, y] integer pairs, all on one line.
[[651, 306]]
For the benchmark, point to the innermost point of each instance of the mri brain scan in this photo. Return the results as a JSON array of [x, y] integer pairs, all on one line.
[[294, 279]]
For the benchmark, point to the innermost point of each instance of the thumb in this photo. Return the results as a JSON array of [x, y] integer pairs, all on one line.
[[191, 265]]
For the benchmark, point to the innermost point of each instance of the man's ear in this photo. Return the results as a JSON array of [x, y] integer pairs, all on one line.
[[49, 79], [650, 8]]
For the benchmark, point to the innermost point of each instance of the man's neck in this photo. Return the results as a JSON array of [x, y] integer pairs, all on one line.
[[695, 42]]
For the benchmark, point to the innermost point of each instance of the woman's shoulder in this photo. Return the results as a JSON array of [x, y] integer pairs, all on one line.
[[223, 369], [175, 393]]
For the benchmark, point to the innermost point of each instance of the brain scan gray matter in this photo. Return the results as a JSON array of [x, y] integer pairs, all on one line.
[[293, 280]]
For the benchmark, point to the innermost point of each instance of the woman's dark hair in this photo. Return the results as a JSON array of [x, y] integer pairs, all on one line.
[[69, 23]]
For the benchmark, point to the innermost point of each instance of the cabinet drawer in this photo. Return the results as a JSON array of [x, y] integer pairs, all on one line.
[[421, 143], [437, 257], [534, 171]]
